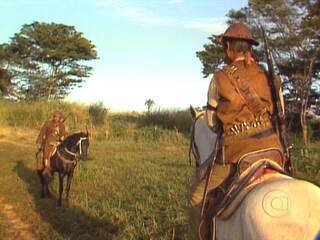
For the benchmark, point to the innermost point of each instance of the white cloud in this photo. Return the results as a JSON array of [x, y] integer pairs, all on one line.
[[145, 16], [104, 2], [212, 25], [176, 1]]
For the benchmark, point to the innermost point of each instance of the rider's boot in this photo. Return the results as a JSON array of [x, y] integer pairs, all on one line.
[[47, 168]]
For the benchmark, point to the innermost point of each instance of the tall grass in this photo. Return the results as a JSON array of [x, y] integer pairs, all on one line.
[[33, 114], [168, 119], [156, 126]]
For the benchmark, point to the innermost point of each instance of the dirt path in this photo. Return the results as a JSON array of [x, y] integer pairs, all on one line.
[[18, 229]]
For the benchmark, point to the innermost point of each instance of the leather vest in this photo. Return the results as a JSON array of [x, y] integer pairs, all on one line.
[[233, 111]]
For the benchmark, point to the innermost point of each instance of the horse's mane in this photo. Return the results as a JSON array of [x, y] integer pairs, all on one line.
[[72, 139]]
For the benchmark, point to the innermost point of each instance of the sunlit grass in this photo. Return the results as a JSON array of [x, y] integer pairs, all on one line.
[[126, 190], [132, 187]]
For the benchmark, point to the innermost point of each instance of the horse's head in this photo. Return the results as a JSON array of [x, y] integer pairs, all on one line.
[[78, 143], [83, 146], [202, 137]]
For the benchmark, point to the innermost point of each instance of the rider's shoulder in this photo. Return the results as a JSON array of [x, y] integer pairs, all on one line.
[[221, 73], [47, 122]]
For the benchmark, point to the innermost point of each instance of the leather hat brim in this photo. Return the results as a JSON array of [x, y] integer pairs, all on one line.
[[252, 41]]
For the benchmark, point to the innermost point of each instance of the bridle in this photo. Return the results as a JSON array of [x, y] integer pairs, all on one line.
[[79, 143], [73, 154]]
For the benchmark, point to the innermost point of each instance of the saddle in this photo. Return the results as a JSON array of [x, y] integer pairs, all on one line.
[[249, 168]]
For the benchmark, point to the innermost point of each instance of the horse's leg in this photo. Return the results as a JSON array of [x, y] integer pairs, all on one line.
[[69, 179], [48, 193], [42, 181], [61, 177]]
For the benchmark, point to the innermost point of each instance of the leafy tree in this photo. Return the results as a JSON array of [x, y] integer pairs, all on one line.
[[5, 77], [212, 55], [292, 28], [47, 60], [149, 104], [4, 82]]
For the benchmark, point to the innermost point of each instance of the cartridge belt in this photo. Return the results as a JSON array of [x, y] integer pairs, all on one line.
[[243, 130]]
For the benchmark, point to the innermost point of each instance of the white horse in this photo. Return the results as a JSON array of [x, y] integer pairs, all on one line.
[[279, 207]]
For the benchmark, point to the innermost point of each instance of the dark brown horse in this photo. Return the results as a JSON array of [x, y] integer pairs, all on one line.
[[64, 161]]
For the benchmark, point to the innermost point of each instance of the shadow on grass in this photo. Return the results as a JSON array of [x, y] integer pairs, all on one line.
[[69, 222]]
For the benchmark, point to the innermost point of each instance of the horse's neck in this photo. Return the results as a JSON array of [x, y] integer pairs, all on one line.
[[204, 139], [71, 143]]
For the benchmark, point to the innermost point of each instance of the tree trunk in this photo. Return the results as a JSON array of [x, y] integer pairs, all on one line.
[[304, 102], [303, 121]]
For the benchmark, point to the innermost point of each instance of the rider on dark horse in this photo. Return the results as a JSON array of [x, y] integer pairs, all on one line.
[[239, 99], [52, 132]]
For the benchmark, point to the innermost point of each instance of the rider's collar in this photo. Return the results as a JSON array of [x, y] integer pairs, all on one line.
[[239, 59]]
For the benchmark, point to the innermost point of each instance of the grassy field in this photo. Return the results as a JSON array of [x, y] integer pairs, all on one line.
[[126, 190]]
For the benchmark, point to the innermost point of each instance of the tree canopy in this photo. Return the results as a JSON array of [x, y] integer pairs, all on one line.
[[47, 60], [5, 77]]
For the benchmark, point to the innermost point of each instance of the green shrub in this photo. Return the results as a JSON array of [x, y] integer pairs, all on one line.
[[314, 128], [174, 119], [148, 133], [97, 114], [119, 130], [305, 159]]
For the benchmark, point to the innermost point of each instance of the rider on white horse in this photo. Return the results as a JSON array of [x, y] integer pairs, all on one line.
[[239, 98]]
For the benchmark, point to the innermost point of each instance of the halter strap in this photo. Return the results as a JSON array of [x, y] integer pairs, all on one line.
[[79, 143]]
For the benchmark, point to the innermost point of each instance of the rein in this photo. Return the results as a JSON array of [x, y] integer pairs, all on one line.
[[193, 148]]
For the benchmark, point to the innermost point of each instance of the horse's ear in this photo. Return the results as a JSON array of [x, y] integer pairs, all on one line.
[[193, 112], [88, 132]]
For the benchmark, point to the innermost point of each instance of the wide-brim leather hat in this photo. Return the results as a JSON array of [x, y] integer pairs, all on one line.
[[239, 30]]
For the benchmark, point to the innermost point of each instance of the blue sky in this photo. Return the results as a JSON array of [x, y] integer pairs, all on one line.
[[146, 48]]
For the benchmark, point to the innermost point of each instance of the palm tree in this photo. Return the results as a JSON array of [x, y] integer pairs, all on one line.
[[149, 104]]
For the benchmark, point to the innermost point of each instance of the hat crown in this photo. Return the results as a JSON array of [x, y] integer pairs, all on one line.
[[239, 30]]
